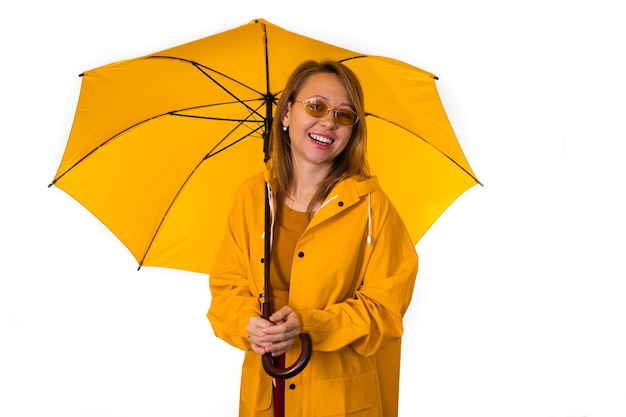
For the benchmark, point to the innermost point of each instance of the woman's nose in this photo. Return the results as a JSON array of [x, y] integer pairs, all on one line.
[[329, 118]]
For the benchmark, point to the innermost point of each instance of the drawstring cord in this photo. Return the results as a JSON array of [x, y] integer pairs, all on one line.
[[325, 203], [369, 219]]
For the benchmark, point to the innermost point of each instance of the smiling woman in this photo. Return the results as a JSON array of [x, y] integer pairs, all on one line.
[[343, 265]]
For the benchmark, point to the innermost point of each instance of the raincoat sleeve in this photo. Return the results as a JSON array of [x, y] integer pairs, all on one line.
[[373, 316], [233, 299]]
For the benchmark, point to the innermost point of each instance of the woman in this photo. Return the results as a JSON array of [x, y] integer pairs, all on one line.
[[343, 265]]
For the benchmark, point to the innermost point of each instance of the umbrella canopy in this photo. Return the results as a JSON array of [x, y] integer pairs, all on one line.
[[160, 143]]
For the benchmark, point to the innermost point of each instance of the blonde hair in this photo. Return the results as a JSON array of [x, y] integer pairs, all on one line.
[[351, 162]]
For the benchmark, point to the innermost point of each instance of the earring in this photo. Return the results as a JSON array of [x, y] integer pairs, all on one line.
[[284, 128]]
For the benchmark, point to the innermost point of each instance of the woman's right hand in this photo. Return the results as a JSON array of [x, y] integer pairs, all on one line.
[[255, 331]]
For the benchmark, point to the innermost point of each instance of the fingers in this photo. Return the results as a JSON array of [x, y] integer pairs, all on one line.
[[280, 332], [277, 335], [277, 349], [284, 334], [255, 328], [277, 341], [288, 318], [281, 315]]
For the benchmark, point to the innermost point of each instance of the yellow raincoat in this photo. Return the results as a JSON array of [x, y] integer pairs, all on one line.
[[352, 279]]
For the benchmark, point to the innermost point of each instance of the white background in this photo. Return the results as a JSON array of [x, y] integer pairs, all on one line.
[[519, 308]]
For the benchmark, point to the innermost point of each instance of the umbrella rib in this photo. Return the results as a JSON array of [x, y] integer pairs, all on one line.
[[199, 65], [100, 146], [169, 208], [353, 57], [219, 119], [168, 113], [427, 142], [212, 153], [240, 123], [204, 70]]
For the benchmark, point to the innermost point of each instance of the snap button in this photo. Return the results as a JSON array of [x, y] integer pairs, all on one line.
[[300, 254], [292, 386], [340, 204]]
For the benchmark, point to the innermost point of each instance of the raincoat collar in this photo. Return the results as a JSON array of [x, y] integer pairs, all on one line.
[[345, 194]]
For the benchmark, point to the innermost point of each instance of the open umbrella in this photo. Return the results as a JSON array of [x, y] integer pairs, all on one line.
[[159, 143]]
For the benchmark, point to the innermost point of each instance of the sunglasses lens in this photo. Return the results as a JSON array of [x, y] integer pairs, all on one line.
[[346, 117], [316, 108]]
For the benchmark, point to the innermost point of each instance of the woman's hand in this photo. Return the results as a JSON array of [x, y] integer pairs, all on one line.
[[277, 335]]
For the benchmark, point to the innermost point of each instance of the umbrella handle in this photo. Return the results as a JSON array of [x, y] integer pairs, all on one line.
[[298, 365]]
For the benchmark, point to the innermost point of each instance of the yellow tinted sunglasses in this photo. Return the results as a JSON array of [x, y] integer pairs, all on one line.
[[317, 108]]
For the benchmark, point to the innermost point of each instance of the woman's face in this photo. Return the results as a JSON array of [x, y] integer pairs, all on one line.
[[318, 140]]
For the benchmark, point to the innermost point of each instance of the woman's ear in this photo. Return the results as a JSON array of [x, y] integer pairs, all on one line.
[[285, 119]]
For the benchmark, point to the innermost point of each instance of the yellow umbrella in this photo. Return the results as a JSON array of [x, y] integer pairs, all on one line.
[[159, 143]]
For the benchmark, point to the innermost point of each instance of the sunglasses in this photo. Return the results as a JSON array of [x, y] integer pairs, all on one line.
[[319, 109]]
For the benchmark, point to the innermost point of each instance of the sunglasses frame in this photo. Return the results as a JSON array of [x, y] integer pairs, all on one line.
[[328, 108]]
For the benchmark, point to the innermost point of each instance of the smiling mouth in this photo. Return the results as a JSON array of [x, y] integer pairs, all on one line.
[[321, 139]]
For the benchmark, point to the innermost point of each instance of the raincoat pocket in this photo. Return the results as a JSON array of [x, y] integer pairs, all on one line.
[[256, 387], [354, 396]]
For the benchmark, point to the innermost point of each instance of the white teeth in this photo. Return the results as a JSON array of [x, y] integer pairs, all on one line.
[[321, 139]]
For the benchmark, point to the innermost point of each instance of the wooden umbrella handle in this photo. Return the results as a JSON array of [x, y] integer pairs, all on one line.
[[297, 367]]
